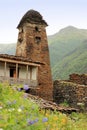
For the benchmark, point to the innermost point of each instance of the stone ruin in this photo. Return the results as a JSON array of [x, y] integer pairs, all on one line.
[[78, 78], [72, 91]]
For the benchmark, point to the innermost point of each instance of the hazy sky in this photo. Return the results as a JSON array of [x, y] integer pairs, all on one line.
[[57, 13]]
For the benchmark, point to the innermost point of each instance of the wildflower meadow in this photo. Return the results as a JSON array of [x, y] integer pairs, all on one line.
[[18, 112]]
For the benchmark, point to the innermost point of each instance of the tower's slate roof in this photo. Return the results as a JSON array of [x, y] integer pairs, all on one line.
[[32, 16]]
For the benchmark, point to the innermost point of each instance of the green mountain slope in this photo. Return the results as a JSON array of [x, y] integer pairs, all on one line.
[[7, 49], [74, 62], [65, 41], [67, 48], [67, 51]]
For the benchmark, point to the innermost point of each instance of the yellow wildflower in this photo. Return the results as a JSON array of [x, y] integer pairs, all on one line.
[[54, 125], [46, 123], [47, 115], [55, 118], [64, 121]]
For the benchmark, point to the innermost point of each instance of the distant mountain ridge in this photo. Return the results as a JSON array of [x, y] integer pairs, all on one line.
[[68, 51], [8, 49]]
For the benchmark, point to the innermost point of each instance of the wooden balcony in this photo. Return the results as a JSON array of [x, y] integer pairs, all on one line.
[[31, 83]]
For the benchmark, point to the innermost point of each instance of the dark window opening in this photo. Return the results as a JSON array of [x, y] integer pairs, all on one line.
[[13, 72], [36, 29], [20, 40], [37, 39], [22, 30]]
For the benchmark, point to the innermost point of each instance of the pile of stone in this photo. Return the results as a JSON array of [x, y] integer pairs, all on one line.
[[49, 105]]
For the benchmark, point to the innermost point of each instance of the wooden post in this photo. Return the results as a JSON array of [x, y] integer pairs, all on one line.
[[37, 75], [16, 71], [27, 73], [30, 73], [5, 66]]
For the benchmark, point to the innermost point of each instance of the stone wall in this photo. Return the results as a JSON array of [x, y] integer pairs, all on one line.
[[73, 94], [33, 45], [78, 78]]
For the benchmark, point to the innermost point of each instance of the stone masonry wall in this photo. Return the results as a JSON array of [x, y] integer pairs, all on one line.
[[78, 78], [35, 47], [39, 51], [74, 94]]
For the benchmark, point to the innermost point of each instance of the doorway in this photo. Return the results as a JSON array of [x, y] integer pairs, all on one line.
[[13, 72]]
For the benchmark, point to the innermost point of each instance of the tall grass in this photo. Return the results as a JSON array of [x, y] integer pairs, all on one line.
[[17, 112]]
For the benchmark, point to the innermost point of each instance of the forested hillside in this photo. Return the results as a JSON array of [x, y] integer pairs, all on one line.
[[68, 52]]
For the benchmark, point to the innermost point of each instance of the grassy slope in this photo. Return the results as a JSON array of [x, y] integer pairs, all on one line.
[[18, 112]]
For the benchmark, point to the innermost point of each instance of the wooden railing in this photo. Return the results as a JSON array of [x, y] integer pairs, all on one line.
[[31, 83]]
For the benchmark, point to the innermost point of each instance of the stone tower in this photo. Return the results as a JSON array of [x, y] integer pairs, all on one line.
[[32, 43]]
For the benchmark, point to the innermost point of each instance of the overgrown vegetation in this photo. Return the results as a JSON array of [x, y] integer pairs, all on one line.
[[17, 112]]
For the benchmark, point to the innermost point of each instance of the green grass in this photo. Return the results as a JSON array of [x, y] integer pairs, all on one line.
[[17, 112]]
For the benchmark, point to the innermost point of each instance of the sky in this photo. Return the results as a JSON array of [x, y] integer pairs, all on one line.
[[57, 13]]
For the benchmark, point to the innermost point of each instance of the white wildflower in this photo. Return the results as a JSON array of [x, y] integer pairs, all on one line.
[[11, 109], [19, 109], [1, 107]]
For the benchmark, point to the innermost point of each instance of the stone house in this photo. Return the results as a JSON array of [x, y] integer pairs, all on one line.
[[31, 63]]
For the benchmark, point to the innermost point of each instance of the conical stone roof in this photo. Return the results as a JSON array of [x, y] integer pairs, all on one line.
[[33, 17]]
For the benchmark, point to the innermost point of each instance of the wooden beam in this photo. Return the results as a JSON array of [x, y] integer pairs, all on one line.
[[37, 73], [5, 66], [27, 72], [19, 62]]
